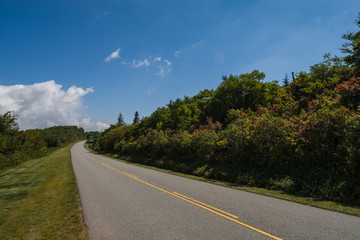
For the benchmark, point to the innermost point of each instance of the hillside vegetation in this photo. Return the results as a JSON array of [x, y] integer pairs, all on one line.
[[302, 137], [18, 146]]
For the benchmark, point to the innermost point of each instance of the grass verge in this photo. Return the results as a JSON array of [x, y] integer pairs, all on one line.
[[39, 200], [328, 205]]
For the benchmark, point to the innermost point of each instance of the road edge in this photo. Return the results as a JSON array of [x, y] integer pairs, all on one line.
[[326, 205]]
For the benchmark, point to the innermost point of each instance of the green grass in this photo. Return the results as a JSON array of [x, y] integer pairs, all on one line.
[[328, 205], [39, 200]]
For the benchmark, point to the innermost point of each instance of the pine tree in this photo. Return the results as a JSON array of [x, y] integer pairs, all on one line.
[[120, 119], [286, 80], [136, 117], [352, 48]]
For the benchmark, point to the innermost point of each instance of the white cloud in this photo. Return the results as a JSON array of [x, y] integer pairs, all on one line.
[[45, 104], [188, 48], [87, 123], [159, 65], [177, 53], [101, 126], [161, 71], [168, 63], [113, 55], [197, 44], [137, 64], [164, 68]]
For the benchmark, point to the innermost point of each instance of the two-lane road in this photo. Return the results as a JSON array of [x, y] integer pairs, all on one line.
[[123, 201]]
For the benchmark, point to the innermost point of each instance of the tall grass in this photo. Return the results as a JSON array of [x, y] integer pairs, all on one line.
[[39, 200]]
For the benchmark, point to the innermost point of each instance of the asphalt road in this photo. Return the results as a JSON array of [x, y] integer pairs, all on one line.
[[123, 201]]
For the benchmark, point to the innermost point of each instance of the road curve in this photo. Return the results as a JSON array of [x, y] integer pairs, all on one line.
[[123, 201]]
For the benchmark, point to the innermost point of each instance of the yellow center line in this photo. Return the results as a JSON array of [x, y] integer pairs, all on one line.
[[125, 173], [197, 204], [229, 214], [130, 175]]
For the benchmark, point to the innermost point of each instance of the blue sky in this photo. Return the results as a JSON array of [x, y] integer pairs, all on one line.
[[160, 50]]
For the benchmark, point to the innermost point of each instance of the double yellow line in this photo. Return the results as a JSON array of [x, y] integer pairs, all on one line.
[[202, 205], [206, 206]]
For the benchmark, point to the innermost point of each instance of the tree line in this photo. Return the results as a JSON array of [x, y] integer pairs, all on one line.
[[18, 146], [299, 137]]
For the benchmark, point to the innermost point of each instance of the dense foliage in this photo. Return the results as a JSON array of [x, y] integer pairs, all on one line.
[[18, 146], [302, 137]]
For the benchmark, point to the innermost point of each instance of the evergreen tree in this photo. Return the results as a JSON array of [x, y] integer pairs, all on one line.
[[120, 119], [286, 80], [352, 48], [136, 117]]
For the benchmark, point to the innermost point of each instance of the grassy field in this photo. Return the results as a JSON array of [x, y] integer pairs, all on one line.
[[39, 200], [328, 205]]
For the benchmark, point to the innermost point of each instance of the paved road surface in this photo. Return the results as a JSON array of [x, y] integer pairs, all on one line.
[[122, 201]]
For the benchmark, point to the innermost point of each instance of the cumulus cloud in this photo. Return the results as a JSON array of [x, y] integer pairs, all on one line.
[[87, 123], [45, 104], [113, 55]]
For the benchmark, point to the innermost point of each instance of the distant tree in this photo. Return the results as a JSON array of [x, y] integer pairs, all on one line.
[[136, 117], [81, 131], [331, 69], [8, 123], [352, 48], [9, 131], [293, 76], [247, 91], [286, 80], [120, 119], [93, 136]]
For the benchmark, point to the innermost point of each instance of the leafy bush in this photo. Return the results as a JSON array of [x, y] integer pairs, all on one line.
[[301, 138]]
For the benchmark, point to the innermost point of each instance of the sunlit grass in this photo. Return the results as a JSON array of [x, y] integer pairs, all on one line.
[[39, 200]]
